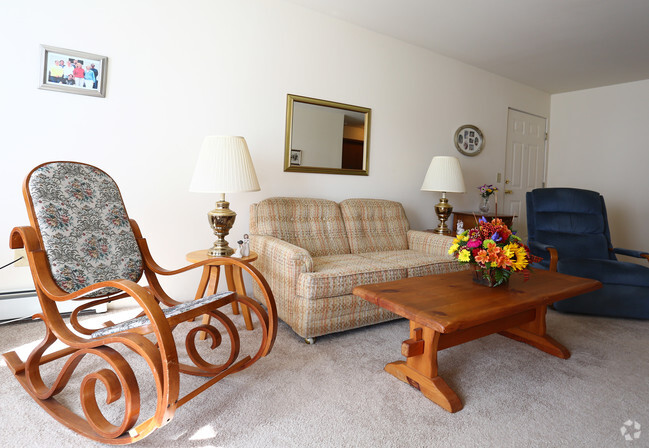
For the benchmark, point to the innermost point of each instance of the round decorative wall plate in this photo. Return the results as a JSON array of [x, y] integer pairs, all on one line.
[[469, 140]]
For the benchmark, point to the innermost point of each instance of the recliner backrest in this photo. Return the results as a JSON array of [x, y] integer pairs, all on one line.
[[86, 232], [572, 220]]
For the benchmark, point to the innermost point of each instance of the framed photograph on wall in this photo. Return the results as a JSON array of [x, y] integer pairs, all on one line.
[[73, 71], [296, 157]]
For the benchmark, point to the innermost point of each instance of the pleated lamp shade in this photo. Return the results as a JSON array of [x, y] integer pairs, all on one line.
[[224, 166], [444, 174]]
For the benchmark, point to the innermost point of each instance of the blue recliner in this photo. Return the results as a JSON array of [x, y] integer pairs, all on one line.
[[571, 224]]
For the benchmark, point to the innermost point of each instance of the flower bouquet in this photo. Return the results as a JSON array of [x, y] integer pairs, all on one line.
[[485, 193], [494, 252], [487, 190]]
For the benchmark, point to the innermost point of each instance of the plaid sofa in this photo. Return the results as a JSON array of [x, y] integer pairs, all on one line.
[[313, 252]]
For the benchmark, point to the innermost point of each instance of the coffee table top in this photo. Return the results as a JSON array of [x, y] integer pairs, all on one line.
[[449, 302]]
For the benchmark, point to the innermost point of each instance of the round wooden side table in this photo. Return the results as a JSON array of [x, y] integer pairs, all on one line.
[[210, 282]]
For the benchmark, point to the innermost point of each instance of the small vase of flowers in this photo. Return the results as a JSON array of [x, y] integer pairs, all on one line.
[[493, 251], [485, 193]]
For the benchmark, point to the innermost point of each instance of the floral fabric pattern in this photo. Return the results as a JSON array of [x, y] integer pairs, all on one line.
[[168, 312], [84, 226]]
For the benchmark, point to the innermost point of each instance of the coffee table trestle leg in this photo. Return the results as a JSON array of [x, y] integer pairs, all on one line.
[[420, 369], [534, 333]]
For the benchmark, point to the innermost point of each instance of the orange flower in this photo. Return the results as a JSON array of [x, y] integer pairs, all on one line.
[[482, 257]]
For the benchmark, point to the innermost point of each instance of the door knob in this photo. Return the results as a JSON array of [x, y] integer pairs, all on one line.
[[508, 192], [507, 181]]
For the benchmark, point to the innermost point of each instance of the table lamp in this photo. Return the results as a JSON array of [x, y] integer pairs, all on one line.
[[445, 175], [224, 166]]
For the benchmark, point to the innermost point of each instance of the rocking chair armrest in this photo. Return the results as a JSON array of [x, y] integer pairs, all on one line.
[[150, 262], [155, 267], [128, 287], [24, 237]]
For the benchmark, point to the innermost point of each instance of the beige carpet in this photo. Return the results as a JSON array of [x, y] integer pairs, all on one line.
[[336, 394]]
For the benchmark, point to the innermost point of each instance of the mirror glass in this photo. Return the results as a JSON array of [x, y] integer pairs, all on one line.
[[326, 137]]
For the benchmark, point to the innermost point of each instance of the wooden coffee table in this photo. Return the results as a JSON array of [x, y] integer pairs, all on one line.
[[449, 309]]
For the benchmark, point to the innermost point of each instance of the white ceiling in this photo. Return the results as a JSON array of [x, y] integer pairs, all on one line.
[[552, 45]]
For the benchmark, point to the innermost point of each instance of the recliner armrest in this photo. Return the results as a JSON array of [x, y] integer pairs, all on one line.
[[631, 253], [537, 247]]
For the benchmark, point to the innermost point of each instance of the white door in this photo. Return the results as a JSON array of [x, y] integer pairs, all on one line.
[[524, 163]]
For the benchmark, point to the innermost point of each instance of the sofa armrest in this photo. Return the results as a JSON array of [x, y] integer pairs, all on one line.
[[430, 243], [282, 254], [281, 263]]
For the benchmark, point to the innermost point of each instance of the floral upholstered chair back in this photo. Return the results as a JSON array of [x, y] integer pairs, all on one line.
[[86, 233]]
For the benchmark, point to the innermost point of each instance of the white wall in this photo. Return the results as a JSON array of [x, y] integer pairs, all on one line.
[[178, 71], [599, 141]]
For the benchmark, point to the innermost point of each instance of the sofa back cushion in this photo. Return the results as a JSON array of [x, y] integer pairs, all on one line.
[[375, 225], [313, 224]]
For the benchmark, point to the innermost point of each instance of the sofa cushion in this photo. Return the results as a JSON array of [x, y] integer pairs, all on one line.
[[313, 224], [416, 263], [375, 225], [337, 275]]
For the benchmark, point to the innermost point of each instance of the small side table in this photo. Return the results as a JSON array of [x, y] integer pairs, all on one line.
[[210, 281]]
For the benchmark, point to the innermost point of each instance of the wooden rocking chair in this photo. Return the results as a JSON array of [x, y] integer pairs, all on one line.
[[81, 244]]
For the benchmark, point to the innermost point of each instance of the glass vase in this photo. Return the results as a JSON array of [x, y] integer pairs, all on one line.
[[484, 204]]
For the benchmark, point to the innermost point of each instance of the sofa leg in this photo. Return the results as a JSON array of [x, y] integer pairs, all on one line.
[[309, 341]]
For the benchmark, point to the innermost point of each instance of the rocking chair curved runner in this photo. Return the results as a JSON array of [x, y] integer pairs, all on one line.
[[81, 244]]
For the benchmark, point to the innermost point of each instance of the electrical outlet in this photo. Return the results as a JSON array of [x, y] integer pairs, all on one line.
[[20, 253]]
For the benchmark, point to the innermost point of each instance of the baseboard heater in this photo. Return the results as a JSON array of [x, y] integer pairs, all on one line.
[[16, 305]]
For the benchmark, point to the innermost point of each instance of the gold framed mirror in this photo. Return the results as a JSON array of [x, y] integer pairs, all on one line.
[[326, 137]]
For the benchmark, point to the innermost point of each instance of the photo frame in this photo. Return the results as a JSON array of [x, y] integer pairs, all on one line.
[[73, 71], [296, 157], [469, 140]]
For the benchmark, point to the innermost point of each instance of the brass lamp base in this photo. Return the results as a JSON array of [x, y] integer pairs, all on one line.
[[221, 220], [443, 210]]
